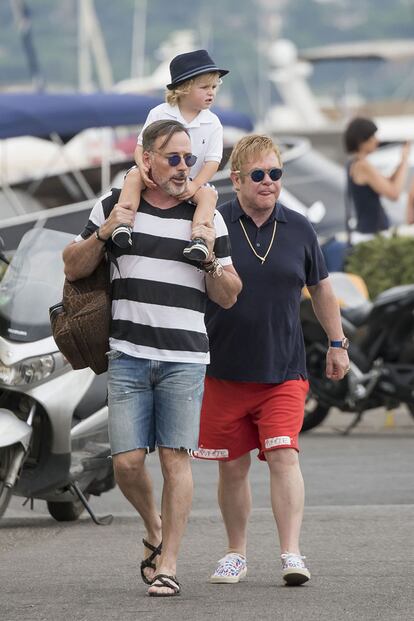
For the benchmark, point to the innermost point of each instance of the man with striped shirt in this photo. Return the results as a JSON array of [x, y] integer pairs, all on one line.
[[158, 343]]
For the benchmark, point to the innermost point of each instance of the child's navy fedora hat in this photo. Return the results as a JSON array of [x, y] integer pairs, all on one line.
[[191, 64]]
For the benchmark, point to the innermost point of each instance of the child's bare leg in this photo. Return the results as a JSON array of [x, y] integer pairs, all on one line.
[[204, 214], [130, 193]]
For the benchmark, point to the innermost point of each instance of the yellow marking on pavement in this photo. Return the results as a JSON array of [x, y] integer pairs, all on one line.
[[389, 419]]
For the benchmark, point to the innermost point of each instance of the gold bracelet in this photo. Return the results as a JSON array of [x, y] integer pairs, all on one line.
[[214, 269]]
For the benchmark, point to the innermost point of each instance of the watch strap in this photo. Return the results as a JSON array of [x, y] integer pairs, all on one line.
[[342, 344]]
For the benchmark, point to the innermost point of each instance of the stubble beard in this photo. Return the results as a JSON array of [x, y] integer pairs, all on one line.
[[170, 188]]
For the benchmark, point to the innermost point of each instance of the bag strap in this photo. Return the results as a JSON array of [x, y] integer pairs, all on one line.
[[112, 259], [108, 204]]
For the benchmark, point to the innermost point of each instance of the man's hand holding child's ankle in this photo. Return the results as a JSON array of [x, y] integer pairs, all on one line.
[[207, 232]]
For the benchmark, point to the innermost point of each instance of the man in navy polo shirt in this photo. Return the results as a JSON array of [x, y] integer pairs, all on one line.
[[256, 383]]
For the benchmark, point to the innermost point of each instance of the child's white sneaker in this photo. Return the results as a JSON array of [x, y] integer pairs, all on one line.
[[196, 250]]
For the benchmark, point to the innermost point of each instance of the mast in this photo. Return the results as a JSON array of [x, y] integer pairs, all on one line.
[[92, 48], [22, 17], [138, 39]]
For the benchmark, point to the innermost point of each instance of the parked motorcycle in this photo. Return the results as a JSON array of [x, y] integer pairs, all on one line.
[[53, 420], [381, 352]]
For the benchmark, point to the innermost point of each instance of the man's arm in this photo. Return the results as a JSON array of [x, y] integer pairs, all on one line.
[[81, 258], [326, 310], [224, 289]]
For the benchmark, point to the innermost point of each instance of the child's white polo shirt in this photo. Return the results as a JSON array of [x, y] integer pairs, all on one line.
[[205, 130]]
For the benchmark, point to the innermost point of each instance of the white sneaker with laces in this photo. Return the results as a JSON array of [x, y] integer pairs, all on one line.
[[196, 250], [121, 236], [294, 570], [230, 569]]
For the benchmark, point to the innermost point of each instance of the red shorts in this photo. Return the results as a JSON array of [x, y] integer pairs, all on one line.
[[237, 417]]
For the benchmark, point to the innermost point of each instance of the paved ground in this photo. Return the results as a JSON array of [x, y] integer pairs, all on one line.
[[357, 536]]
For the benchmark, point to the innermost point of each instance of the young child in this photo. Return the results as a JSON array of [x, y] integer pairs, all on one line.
[[194, 81]]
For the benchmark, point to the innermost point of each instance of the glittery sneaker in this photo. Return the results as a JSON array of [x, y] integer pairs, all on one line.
[[230, 569], [196, 250], [294, 569]]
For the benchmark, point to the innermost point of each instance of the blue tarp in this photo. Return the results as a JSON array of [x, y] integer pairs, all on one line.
[[41, 114]]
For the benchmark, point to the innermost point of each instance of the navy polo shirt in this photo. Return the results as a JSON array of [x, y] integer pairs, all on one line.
[[260, 338]]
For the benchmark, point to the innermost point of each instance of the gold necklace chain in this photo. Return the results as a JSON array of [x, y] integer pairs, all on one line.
[[262, 259]]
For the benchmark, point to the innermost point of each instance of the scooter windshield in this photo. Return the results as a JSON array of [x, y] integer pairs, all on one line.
[[32, 283]]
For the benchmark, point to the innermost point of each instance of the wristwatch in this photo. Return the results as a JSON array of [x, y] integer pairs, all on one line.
[[98, 237], [343, 343], [212, 267]]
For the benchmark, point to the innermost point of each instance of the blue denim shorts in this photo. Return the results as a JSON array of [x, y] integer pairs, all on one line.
[[153, 403]]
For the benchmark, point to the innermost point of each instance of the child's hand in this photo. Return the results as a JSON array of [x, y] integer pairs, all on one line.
[[191, 189], [145, 178]]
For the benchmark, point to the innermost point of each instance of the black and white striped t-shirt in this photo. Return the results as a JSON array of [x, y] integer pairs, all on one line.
[[159, 297]]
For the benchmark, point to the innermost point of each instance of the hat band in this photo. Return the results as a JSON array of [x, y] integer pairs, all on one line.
[[189, 74]]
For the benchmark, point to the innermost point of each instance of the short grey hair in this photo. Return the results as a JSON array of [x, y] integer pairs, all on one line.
[[161, 128]]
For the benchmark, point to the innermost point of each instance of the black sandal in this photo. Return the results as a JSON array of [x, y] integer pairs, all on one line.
[[170, 582], [149, 561]]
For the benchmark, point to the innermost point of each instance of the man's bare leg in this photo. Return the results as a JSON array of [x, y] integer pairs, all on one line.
[[135, 483], [235, 501], [177, 496], [288, 496]]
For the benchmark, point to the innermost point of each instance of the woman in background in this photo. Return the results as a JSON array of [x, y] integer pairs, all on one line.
[[366, 185], [410, 205]]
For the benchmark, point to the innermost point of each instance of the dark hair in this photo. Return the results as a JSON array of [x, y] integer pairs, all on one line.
[[161, 128], [358, 131]]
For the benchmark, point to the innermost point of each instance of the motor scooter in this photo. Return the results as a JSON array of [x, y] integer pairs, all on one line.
[[53, 420], [381, 352]]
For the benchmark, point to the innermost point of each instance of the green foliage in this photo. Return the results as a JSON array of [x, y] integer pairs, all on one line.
[[3, 268], [383, 263]]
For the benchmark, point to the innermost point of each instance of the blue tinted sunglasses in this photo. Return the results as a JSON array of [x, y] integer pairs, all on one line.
[[258, 174], [175, 159]]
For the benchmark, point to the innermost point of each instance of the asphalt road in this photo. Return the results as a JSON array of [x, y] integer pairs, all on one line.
[[357, 536]]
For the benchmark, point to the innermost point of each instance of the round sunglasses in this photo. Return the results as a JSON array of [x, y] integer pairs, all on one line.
[[175, 159], [258, 174]]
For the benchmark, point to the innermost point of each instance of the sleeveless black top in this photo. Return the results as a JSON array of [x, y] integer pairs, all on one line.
[[370, 214]]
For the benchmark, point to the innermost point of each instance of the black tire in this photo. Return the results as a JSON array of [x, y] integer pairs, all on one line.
[[66, 511], [6, 457], [315, 413]]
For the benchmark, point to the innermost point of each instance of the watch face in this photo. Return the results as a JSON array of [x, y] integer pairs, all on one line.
[[345, 343]]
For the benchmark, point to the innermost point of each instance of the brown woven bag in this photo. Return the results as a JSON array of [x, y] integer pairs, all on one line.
[[80, 323]]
